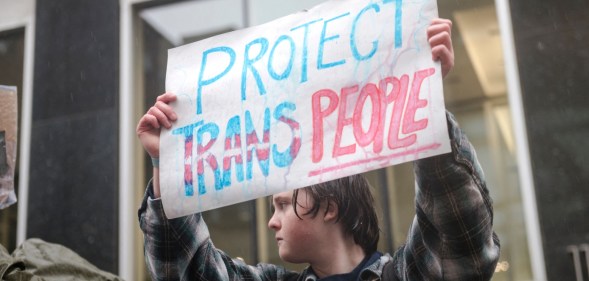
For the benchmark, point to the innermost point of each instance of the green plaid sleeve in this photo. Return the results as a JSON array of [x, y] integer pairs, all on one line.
[[181, 249], [451, 237]]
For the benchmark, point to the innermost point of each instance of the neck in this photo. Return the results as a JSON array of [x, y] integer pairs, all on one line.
[[340, 257]]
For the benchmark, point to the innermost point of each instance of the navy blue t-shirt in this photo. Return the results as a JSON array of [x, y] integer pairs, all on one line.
[[355, 274]]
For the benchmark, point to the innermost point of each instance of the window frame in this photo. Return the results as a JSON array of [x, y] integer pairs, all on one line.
[[16, 15]]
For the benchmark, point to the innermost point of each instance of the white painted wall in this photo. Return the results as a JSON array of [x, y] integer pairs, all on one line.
[[186, 19], [14, 14], [262, 11]]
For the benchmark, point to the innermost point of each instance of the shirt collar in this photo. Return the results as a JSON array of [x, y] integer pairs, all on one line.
[[370, 267]]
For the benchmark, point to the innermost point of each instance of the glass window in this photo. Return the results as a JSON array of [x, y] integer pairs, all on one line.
[[11, 73]]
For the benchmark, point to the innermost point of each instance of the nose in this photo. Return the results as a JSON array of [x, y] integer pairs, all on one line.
[[274, 223]]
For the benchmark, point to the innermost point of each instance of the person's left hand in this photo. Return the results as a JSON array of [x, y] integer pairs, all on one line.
[[439, 36]]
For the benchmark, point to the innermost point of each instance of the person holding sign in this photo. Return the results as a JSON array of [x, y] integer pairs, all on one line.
[[333, 226]]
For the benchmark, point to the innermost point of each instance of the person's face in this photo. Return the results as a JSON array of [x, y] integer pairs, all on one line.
[[298, 240]]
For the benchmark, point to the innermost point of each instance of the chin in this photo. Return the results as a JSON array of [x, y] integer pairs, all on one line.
[[290, 258]]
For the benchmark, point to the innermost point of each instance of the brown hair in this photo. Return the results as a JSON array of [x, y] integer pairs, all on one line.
[[355, 207]]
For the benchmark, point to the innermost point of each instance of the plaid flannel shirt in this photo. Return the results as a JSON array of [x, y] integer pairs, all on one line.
[[451, 237]]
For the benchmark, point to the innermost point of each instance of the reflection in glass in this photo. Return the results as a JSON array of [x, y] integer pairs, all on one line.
[[11, 73]]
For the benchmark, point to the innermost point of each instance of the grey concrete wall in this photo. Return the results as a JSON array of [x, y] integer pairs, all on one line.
[[552, 45], [73, 197]]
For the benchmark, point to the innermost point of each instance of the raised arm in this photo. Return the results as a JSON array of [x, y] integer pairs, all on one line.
[[451, 237], [181, 248], [148, 131]]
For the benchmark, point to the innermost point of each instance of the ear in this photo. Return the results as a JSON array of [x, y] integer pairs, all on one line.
[[330, 214]]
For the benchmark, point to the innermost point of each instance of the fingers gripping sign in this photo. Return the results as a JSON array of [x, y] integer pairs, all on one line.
[[439, 35], [149, 126]]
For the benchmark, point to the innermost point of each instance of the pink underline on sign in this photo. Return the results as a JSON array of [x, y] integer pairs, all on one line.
[[379, 158]]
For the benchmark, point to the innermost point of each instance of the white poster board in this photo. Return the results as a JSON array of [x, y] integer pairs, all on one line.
[[343, 88]]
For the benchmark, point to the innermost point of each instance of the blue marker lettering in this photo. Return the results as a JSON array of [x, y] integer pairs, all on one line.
[[305, 51], [187, 131], [322, 41], [398, 21], [286, 72], [353, 46], [203, 64], [253, 143], [213, 130], [283, 159], [232, 150], [248, 64]]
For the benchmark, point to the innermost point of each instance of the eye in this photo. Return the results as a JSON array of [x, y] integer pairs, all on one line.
[[280, 205]]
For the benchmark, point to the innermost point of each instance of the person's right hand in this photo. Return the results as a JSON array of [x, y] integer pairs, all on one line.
[[148, 129]]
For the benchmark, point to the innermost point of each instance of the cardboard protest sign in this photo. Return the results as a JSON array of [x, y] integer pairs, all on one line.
[[8, 137], [343, 88]]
